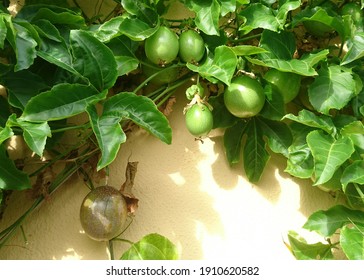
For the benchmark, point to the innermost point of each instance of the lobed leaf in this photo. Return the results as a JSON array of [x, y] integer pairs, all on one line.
[[333, 88], [142, 111], [218, 66], [328, 153], [151, 247], [327, 222]]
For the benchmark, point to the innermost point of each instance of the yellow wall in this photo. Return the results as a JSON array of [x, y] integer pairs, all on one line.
[[188, 193]]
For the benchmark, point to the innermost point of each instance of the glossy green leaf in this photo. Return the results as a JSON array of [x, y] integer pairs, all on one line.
[[278, 135], [327, 222], [152, 247], [207, 15], [218, 66], [308, 118], [233, 142], [355, 49], [355, 195], [255, 155], [93, 59], [274, 107], [285, 8], [142, 111], [222, 117], [243, 50], [5, 133], [11, 178], [25, 48], [3, 29], [258, 16], [141, 10], [35, 134], [22, 86], [109, 134], [108, 30], [332, 89], [305, 251], [352, 241], [280, 45], [136, 29], [227, 6], [54, 14], [62, 101], [328, 153], [354, 173]]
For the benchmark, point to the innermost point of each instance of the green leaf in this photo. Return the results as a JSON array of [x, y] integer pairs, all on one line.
[[54, 14], [274, 107], [327, 222], [141, 10], [255, 155], [136, 29], [285, 8], [207, 15], [243, 50], [22, 86], [5, 133], [109, 134], [354, 173], [4, 110], [355, 49], [62, 101], [352, 241], [308, 118], [279, 45], [108, 30], [11, 178], [304, 251], [258, 16], [152, 247], [25, 47], [3, 28], [93, 59], [221, 115], [35, 134], [233, 142], [218, 66], [332, 89], [328, 153], [142, 111], [278, 135]]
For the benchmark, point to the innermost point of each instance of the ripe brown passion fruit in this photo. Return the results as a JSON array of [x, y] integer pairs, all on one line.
[[103, 213]]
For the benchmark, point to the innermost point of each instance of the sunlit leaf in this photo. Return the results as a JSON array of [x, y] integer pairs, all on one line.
[[328, 153], [327, 222], [142, 111], [354, 173], [152, 247], [62, 101], [5, 133], [219, 66], [355, 49], [305, 251], [352, 241], [333, 88], [109, 134]]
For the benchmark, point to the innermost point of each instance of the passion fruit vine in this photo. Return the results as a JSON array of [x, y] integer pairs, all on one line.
[[103, 213]]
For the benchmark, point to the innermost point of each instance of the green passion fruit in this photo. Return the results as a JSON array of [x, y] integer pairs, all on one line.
[[103, 213], [191, 46], [287, 84], [244, 97], [162, 47], [199, 120]]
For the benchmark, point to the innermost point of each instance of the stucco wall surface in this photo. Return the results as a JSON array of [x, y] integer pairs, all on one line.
[[187, 192]]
